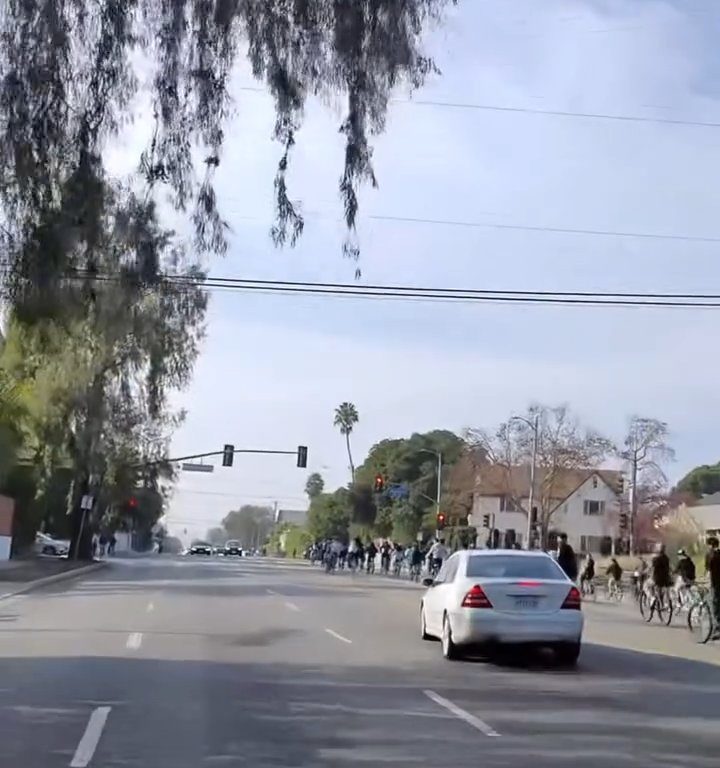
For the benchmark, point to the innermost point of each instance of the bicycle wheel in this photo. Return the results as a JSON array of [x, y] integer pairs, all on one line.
[[664, 610], [702, 622], [647, 607]]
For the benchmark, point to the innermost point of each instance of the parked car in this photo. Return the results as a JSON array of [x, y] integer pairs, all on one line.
[[233, 547], [219, 550], [47, 545], [502, 597], [200, 548]]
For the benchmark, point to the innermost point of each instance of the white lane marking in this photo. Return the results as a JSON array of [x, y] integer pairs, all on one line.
[[338, 637], [134, 640], [292, 606], [91, 738], [272, 592], [150, 607], [476, 722]]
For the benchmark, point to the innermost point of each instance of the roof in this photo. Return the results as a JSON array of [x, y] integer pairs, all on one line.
[[498, 480]]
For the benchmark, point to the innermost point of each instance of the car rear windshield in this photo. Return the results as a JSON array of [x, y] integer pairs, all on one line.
[[513, 567]]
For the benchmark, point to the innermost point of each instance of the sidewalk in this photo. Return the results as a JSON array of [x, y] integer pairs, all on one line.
[[22, 575]]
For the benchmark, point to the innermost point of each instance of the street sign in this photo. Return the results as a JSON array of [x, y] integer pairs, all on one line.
[[198, 468], [398, 491], [86, 502]]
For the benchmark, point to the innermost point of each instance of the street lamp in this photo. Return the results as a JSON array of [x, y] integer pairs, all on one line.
[[439, 475], [535, 426]]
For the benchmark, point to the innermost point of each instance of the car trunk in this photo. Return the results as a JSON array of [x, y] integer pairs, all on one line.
[[525, 595]]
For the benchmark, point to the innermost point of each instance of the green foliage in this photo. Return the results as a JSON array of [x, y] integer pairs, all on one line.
[[702, 480], [291, 540], [412, 462], [95, 58], [250, 525], [315, 485], [330, 515]]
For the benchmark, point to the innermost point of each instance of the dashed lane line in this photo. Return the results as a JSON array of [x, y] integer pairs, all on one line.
[[91, 738], [134, 641], [337, 636], [292, 606], [459, 712]]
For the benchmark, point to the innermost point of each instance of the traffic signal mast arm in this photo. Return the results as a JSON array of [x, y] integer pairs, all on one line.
[[296, 452]]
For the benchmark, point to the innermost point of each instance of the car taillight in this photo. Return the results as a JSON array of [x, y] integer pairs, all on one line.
[[476, 598], [573, 600]]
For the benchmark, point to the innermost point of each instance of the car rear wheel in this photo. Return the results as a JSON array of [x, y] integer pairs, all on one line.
[[567, 654], [449, 649], [423, 625]]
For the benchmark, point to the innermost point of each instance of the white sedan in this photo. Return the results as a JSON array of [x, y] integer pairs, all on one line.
[[502, 597]]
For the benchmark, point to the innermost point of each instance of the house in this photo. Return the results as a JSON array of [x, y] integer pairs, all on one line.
[[706, 513], [583, 503], [292, 516]]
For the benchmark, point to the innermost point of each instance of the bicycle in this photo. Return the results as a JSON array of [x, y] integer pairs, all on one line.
[[700, 618], [587, 589], [656, 600], [415, 571], [614, 591]]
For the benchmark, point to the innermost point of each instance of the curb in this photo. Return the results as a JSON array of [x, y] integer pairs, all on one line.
[[55, 577]]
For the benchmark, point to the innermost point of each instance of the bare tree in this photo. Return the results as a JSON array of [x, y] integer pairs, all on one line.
[[564, 447], [646, 450]]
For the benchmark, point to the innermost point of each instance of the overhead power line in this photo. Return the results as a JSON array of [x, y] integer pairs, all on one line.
[[410, 293], [485, 107]]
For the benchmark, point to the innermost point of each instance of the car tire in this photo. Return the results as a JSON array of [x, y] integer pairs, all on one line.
[[423, 625], [449, 650], [567, 654]]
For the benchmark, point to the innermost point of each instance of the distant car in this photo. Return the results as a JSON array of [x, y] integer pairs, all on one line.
[[47, 545], [218, 549], [502, 597], [233, 548], [201, 548]]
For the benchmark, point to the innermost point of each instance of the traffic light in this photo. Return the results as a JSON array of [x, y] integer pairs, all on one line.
[[440, 521], [623, 521], [486, 521], [534, 516], [228, 455], [132, 502], [379, 483], [302, 456]]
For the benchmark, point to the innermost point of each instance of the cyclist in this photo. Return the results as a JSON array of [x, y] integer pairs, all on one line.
[[614, 573], [371, 552], [587, 575], [566, 557], [685, 575], [385, 550], [438, 552], [712, 565], [660, 572], [416, 560]]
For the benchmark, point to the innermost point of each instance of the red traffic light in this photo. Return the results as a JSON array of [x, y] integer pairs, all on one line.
[[132, 502], [379, 483], [441, 520]]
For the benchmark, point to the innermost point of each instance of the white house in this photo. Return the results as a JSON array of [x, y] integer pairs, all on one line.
[[585, 504]]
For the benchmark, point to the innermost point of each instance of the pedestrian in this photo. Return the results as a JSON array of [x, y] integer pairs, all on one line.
[[102, 541], [712, 564], [112, 544], [94, 545], [566, 557]]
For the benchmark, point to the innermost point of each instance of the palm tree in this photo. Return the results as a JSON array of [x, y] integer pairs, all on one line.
[[346, 417]]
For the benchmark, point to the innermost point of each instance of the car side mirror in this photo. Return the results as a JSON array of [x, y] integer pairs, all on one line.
[[429, 581]]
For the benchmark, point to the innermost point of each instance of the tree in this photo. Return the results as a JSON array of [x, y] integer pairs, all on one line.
[[314, 485], [701, 481], [329, 515], [251, 525], [564, 447], [646, 449], [217, 535], [346, 417], [70, 75]]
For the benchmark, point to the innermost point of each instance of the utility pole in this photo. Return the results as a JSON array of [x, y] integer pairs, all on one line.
[[439, 481], [535, 426], [633, 499]]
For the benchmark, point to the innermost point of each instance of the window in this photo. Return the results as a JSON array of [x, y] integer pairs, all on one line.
[[507, 504], [447, 571], [591, 507], [594, 481], [513, 567]]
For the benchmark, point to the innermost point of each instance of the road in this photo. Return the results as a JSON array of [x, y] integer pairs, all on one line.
[[190, 663]]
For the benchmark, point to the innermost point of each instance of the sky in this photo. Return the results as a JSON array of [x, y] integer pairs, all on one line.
[[273, 368]]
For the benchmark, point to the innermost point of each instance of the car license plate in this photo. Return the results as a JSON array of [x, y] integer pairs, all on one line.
[[526, 603]]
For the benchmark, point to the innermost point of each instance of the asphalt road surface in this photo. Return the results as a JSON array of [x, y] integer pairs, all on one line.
[[190, 663]]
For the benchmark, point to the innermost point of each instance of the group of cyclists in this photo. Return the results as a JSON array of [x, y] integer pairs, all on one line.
[[391, 557]]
